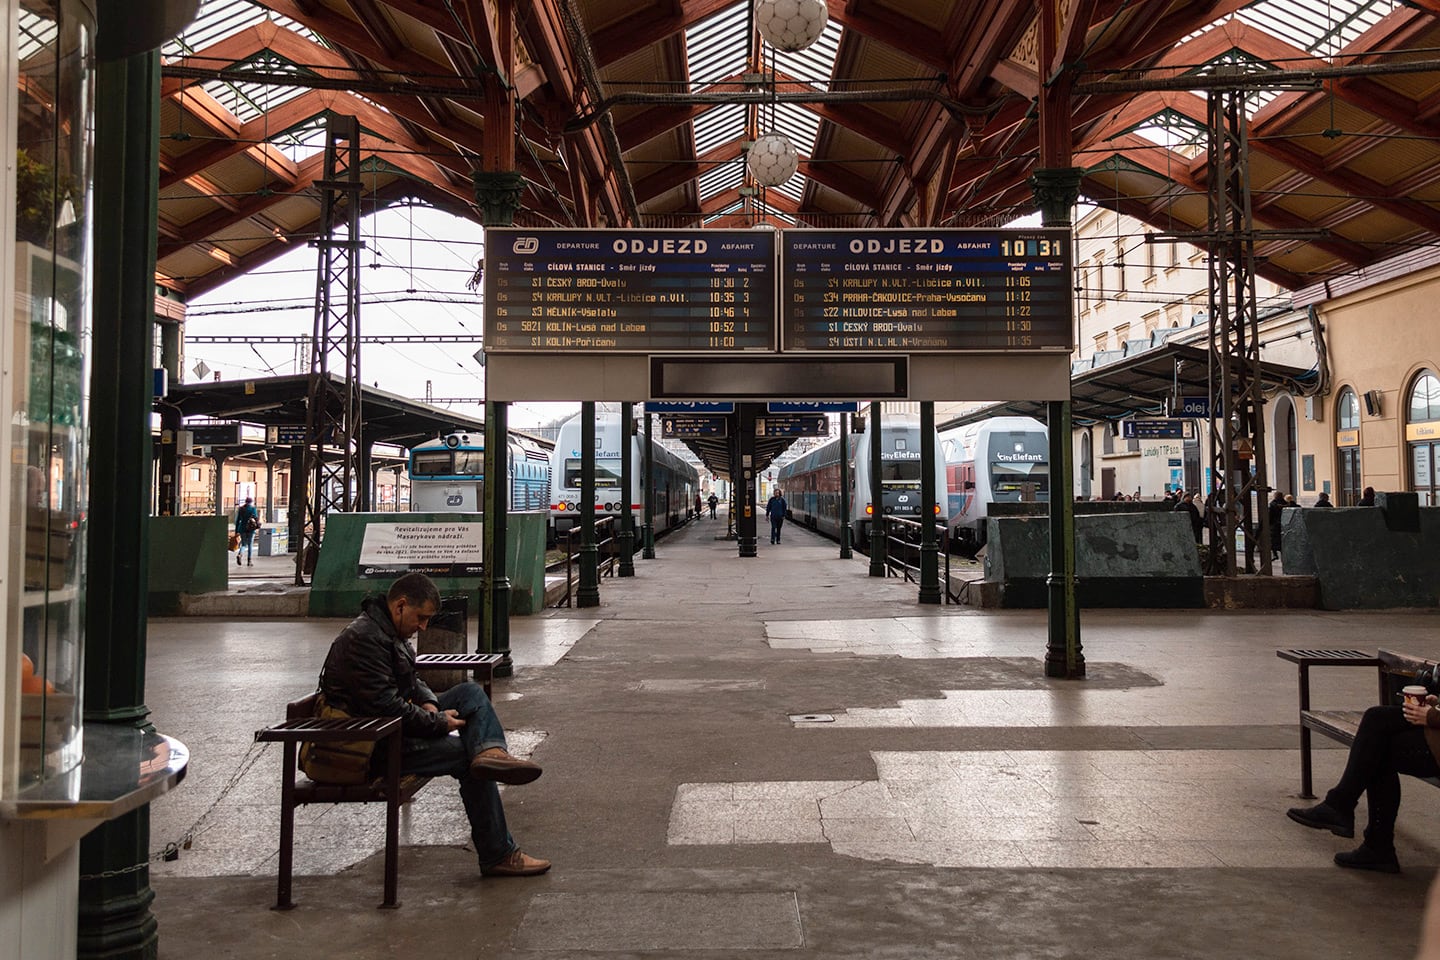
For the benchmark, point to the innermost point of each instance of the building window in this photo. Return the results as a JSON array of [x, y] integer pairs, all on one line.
[[1347, 449], [234, 476], [1102, 342], [1122, 333], [1422, 436], [195, 474]]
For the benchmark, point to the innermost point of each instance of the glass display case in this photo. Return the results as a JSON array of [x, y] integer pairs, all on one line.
[[46, 377]]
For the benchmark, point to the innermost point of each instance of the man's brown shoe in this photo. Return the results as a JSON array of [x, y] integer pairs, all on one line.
[[496, 764], [517, 865]]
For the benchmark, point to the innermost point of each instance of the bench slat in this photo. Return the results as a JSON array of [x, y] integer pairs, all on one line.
[[1336, 724]]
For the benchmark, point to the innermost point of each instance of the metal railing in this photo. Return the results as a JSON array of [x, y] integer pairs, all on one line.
[[902, 551], [607, 543]]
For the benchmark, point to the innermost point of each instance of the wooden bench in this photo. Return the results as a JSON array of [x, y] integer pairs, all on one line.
[[1393, 670], [392, 788]]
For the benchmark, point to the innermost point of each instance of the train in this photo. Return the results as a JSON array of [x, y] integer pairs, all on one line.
[[447, 475], [999, 460], [676, 482], [811, 483]]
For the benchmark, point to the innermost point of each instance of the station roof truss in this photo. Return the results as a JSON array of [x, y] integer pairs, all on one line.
[[280, 401], [904, 114]]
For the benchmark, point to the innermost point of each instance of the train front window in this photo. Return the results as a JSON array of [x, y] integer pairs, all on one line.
[[469, 463], [606, 476], [1020, 481], [900, 471], [432, 463]]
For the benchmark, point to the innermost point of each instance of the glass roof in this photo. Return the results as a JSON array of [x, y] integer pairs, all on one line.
[[1319, 27], [715, 48]]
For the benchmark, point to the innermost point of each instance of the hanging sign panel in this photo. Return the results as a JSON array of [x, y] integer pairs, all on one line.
[[923, 291], [629, 291]]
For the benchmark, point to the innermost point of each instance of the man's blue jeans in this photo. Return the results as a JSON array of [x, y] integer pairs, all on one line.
[[450, 757]]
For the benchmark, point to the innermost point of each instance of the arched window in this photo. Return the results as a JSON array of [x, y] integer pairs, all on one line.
[[1422, 437], [1287, 469], [1087, 464], [1347, 449]]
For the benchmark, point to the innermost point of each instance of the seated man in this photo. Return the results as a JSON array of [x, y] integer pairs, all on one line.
[[1389, 742], [370, 671]]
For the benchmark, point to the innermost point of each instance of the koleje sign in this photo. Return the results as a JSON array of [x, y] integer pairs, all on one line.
[[434, 549]]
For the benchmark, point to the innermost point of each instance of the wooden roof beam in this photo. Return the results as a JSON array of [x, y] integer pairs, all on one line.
[[837, 178], [895, 30], [678, 174], [639, 30]]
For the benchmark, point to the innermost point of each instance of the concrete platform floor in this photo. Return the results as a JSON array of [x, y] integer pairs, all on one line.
[[783, 757]]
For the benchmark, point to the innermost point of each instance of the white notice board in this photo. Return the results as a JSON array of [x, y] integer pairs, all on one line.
[[434, 549]]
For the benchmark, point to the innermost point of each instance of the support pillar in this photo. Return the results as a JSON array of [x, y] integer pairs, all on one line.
[[219, 484], [588, 593], [877, 497], [295, 511], [627, 484], [269, 487], [745, 533], [649, 551], [170, 462], [115, 921], [845, 552], [364, 478], [495, 616], [929, 552]]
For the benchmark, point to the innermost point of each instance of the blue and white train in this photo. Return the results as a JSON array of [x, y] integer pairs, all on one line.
[[677, 483], [1000, 460], [448, 474], [811, 483]]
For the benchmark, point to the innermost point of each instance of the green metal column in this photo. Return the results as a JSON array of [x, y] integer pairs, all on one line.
[[649, 475], [746, 525], [845, 551], [627, 484], [115, 921], [496, 584], [929, 552], [1056, 190], [588, 593], [877, 497]]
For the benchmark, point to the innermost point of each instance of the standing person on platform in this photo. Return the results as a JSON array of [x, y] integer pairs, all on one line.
[[1273, 514], [1187, 507], [699, 506], [1367, 499], [247, 521], [714, 502], [1323, 500], [775, 509], [370, 672]]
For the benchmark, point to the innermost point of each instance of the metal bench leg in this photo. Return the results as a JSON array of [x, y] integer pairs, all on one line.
[[287, 830], [1306, 791], [392, 828]]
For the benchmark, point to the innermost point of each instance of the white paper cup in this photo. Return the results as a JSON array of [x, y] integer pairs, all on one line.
[[1414, 694]]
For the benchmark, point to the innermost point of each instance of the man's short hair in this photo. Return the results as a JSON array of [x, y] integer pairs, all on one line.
[[416, 588]]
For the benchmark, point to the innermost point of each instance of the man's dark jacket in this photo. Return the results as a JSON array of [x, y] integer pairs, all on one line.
[[370, 672]]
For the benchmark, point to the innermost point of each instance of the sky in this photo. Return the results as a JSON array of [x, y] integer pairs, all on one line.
[[413, 276]]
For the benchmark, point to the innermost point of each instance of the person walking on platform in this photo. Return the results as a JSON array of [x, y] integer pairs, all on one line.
[[1274, 512], [1389, 742], [714, 502], [775, 509], [247, 521], [370, 672]]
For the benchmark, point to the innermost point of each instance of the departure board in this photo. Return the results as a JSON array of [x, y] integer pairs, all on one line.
[[629, 291], [922, 291]]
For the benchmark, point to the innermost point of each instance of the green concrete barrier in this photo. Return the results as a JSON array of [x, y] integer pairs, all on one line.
[[337, 586], [188, 555], [1368, 557], [1146, 559]]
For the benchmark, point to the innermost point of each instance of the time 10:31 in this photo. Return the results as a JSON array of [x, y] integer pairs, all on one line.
[[1031, 248]]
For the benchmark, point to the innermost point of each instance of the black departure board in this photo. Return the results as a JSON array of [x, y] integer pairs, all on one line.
[[629, 291], [923, 291]]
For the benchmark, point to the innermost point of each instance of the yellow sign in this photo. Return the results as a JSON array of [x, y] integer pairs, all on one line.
[[1423, 431], [1347, 438]]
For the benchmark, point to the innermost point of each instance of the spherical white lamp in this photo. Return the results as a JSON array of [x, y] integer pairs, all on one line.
[[773, 159], [790, 24]]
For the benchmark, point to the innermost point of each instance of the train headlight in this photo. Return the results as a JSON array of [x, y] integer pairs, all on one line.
[[609, 506], [937, 509], [869, 509], [560, 506]]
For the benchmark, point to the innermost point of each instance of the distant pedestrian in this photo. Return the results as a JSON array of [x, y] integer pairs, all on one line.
[[698, 507], [1367, 499], [1323, 500], [775, 509], [1187, 506], [714, 502], [247, 521], [1277, 504]]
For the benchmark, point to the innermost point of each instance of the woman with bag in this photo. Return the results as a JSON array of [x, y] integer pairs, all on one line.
[[247, 521]]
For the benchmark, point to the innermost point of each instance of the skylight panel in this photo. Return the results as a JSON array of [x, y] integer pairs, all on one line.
[[247, 101], [720, 178], [1173, 131], [717, 48], [718, 125], [794, 188], [799, 124], [1319, 29], [37, 33], [219, 19], [816, 63]]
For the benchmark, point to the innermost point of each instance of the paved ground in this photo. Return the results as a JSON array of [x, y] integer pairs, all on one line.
[[782, 757]]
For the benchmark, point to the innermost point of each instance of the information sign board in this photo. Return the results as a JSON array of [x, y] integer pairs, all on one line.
[[629, 291], [285, 434], [679, 427], [793, 425], [1159, 429], [1193, 407], [689, 406], [813, 406], [858, 291], [215, 434]]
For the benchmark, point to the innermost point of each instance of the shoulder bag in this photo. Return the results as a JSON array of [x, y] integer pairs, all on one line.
[[344, 762]]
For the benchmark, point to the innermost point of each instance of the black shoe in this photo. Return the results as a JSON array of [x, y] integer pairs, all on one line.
[[1322, 816], [1366, 857]]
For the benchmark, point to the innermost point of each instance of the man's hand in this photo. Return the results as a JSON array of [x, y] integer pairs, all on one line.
[[453, 721], [430, 707]]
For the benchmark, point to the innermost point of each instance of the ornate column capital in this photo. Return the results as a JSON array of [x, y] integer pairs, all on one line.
[[497, 193], [1056, 189]]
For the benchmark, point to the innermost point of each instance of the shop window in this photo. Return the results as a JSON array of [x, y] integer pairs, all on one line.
[[1422, 438], [1347, 449]]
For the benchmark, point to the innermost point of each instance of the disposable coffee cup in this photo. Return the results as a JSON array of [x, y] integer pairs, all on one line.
[[1415, 694]]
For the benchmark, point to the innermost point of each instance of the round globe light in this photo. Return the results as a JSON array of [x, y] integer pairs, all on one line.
[[773, 159], [790, 24]]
